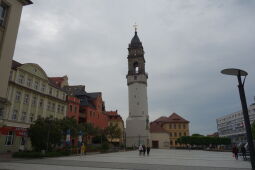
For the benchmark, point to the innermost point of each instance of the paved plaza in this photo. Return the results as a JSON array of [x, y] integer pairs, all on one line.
[[158, 160]]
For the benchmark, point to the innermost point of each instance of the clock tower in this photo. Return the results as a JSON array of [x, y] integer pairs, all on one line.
[[137, 123]]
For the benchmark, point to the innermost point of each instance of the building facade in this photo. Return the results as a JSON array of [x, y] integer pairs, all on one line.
[[31, 95], [233, 127], [137, 123], [10, 13], [115, 119], [159, 136], [73, 109], [175, 126], [91, 108]]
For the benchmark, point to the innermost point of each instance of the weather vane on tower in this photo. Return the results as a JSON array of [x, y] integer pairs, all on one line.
[[135, 26]]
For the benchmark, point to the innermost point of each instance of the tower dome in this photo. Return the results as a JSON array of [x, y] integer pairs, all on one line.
[[135, 42]]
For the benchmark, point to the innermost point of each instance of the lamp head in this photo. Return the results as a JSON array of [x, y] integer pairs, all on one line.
[[234, 72]]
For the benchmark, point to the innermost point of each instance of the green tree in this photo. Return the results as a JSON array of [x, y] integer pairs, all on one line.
[[45, 134], [69, 123], [112, 131], [253, 129], [88, 130]]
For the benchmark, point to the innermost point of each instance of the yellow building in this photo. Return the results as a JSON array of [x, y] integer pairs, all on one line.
[[31, 95], [113, 119], [10, 12], [175, 126]]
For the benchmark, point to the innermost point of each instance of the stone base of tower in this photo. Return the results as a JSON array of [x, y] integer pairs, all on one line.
[[137, 132]]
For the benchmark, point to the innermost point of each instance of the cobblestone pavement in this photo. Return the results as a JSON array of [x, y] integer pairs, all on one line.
[[158, 160]]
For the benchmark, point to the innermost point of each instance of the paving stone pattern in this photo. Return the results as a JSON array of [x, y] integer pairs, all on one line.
[[158, 160]]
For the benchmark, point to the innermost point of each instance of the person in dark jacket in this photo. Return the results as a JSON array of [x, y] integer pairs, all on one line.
[[235, 151], [243, 150], [148, 150]]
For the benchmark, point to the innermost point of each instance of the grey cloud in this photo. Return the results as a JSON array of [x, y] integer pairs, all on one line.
[[186, 45]]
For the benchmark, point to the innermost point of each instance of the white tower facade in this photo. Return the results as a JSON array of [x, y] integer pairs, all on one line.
[[137, 123]]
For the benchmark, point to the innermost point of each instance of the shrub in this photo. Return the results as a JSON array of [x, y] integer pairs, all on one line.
[[105, 147], [27, 155], [92, 148], [39, 154]]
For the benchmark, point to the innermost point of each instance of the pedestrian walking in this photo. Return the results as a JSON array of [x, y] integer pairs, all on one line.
[[140, 148], [144, 150], [83, 148], [243, 150], [235, 151], [148, 150]]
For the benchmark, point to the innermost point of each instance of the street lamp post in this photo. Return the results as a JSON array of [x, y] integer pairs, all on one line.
[[239, 73]]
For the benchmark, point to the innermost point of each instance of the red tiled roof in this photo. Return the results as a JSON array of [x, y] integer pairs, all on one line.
[[56, 80], [177, 118], [155, 127], [112, 113], [173, 118], [161, 119]]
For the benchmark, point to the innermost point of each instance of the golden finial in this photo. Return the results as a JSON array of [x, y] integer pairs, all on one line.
[[135, 26]]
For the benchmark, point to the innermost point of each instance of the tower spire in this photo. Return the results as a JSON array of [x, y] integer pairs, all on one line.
[[135, 26]]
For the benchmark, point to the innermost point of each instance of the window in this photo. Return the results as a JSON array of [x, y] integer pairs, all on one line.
[[34, 101], [23, 141], [64, 96], [14, 114], [170, 134], [71, 108], [59, 108], [24, 116], [184, 133], [175, 134], [57, 94], [26, 99], [48, 106], [184, 126], [171, 142], [29, 82], [180, 134], [1, 112], [10, 76], [3, 14], [62, 109], [31, 118], [75, 109], [21, 79], [170, 126], [43, 87], [41, 103], [36, 86], [136, 68], [174, 126], [9, 138], [18, 95], [50, 91], [53, 107], [180, 126]]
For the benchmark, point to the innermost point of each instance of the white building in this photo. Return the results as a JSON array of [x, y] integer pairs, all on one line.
[[232, 125], [137, 130]]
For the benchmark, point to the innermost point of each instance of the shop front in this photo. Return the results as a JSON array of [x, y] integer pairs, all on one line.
[[13, 139]]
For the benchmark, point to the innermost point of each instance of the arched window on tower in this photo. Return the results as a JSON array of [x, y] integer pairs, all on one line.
[[136, 68]]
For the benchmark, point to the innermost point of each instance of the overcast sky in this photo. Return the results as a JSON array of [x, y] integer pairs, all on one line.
[[186, 42]]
